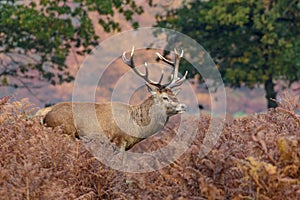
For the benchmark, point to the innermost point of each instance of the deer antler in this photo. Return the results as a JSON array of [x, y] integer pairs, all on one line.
[[130, 63], [175, 80]]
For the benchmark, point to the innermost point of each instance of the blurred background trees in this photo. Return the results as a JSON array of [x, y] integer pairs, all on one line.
[[252, 42], [37, 36]]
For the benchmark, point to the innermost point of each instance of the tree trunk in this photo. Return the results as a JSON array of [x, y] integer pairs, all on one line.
[[270, 93]]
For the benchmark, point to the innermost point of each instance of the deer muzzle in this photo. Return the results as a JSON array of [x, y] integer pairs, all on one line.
[[181, 108]]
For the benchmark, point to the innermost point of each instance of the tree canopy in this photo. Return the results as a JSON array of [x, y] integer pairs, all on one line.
[[36, 38], [251, 41]]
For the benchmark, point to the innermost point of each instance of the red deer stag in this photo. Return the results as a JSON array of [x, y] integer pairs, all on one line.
[[133, 123]]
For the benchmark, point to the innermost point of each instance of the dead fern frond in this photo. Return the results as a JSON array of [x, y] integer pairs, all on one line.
[[88, 196], [257, 157]]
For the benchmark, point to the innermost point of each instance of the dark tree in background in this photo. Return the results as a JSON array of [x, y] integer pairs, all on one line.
[[251, 41], [36, 38]]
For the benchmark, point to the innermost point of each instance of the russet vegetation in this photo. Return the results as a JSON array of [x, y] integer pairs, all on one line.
[[256, 157]]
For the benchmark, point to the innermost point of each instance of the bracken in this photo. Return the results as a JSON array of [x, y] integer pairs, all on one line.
[[256, 157]]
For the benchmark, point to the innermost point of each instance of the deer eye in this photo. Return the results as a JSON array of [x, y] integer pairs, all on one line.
[[166, 98]]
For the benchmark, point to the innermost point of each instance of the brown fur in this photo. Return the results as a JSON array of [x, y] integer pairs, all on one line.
[[106, 119]]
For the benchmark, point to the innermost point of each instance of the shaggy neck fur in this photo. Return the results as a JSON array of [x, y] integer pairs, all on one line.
[[141, 113], [149, 116]]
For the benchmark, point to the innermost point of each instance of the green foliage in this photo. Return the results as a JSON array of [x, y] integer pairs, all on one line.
[[252, 41], [36, 38]]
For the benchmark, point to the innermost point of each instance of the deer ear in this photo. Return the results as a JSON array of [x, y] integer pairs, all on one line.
[[176, 91]]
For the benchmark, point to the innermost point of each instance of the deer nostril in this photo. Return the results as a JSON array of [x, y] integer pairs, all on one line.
[[183, 107]]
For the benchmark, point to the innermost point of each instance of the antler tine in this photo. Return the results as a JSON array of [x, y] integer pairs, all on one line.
[[175, 80], [178, 82], [145, 76], [161, 77], [146, 71], [176, 64], [164, 59], [129, 61]]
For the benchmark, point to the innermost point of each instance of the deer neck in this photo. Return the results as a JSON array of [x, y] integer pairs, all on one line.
[[149, 116]]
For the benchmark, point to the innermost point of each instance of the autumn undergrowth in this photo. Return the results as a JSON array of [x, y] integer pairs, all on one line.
[[256, 157]]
